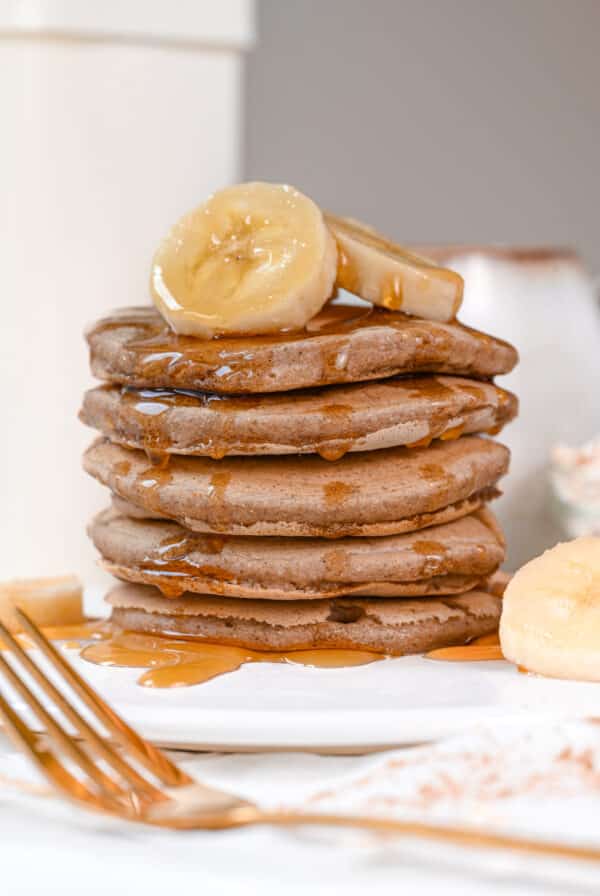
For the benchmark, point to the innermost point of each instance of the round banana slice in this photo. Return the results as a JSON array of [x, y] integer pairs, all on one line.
[[386, 274], [551, 612], [254, 258]]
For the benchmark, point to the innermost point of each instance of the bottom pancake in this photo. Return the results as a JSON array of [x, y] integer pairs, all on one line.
[[385, 625], [447, 559]]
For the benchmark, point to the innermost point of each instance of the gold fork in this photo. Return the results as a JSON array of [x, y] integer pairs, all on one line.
[[108, 767]]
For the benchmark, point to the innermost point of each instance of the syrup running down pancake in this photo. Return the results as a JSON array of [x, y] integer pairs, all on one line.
[[347, 342], [445, 559], [329, 421]]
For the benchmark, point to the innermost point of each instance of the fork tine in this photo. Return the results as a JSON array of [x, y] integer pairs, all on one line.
[[149, 756], [57, 733], [142, 787], [54, 771]]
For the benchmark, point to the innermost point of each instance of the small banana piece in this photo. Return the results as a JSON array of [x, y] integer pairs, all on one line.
[[550, 620], [49, 601], [254, 258], [374, 268]]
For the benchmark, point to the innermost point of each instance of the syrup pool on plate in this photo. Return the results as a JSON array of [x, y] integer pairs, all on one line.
[[177, 662], [485, 648], [171, 661]]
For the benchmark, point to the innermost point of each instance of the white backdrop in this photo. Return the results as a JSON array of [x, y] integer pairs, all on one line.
[[107, 137]]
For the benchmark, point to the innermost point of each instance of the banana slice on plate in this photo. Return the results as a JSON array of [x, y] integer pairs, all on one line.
[[550, 620], [381, 272], [254, 258]]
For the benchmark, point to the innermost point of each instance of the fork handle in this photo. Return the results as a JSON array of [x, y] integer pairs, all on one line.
[[424, 830]]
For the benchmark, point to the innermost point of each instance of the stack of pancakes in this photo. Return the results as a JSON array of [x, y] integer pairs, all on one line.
[[317, 488]]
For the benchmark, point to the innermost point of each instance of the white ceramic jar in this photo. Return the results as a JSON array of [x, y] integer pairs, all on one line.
[[116, 118], [544, 302]]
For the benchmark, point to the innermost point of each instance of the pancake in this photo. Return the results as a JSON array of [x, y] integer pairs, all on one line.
[[346, 342], [329, 421], [373, 493], [377, 624], [447, 559], [411, 524]]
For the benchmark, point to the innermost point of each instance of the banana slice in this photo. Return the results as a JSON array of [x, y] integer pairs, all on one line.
[[381, 272], [254, 258], [550, 620], [49, 601]]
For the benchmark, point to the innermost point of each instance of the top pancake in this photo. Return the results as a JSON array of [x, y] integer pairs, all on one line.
[[346, 342]]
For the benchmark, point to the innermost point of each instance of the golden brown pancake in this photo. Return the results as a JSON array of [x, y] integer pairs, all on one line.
[[372, 493], [446, 559], [347, 342], [382, 625], [328, 421]]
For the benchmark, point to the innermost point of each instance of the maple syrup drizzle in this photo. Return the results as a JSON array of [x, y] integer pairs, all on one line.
[[179, 662], [153, 480], [435, 554], [333, 451], [337, 492], [173, 560], [436, 474], [147, 407], [155, 353], [138, 418], [176, 661], [454, 433], [159, 351], [72, 635], [218, 515], [179, 548], [425, 442], [485, 648], [87, 630]]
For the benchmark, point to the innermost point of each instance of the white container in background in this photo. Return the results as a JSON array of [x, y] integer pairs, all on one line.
[[545, 303], [116, 117]]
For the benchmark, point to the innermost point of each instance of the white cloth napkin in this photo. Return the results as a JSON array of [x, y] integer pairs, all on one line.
[[543, 782]]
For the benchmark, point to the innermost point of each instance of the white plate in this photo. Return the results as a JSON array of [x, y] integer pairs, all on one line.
[[393, 702]]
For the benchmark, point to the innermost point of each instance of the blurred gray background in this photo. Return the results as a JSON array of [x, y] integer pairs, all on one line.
[[437, 121]]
